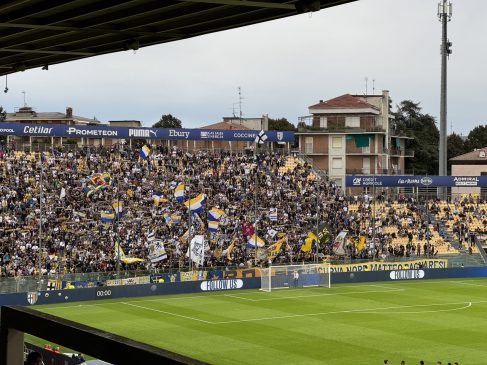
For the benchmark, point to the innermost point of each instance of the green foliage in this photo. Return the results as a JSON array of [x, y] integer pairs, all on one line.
[[477, 138], [3, 114], [456, 146], [281, 124], [168, 121], [409, 120]]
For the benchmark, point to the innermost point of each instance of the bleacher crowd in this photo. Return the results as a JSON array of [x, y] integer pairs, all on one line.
[[75, 238]]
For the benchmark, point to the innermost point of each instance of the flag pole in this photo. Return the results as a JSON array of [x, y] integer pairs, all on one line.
[[40, 220], [190, 265], [255, 198], [116, 233]]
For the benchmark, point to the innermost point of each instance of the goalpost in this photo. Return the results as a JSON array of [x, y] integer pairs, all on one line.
[[295, 276]]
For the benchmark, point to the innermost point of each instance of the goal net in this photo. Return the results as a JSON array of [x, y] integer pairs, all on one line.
[[295, 276]]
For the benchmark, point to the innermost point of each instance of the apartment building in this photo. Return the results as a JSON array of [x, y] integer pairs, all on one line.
[[352, 134]]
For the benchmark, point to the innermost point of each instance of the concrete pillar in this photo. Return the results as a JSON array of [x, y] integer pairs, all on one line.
[[15, 347]]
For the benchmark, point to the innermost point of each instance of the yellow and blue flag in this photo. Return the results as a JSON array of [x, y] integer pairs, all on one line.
[[213, 226], [214, 214], [179, 193], [107, 217], [118, 208], [310, 242], [275, 249], [196, 204], [125, 259], [156, 197], [144, 152]]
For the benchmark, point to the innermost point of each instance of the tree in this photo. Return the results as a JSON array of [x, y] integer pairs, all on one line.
[[477, 138], [456, 146], [168, 121], [281, 124], [3, 114], [410, 121]]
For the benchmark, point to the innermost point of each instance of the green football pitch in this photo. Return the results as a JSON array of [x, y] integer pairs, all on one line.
[[366, 323]]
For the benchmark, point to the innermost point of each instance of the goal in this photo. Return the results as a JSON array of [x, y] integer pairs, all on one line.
[[295, 276]]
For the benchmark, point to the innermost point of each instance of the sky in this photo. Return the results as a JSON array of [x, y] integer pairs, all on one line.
[[282, 67]]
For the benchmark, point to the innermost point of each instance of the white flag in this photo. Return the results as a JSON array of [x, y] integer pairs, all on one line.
[[197, 247], [63, 193], [157, 252]]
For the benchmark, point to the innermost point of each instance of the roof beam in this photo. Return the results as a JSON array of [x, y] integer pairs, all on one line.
[[255, 4], [46, 51]]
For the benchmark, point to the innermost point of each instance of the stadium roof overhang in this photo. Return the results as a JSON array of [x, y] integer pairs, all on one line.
[[40, 33]]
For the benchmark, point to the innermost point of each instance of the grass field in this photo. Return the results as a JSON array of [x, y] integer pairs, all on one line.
[[347, 324]]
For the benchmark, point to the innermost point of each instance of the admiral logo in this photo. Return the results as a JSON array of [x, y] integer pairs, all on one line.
[[466, 181], [37, 130], [32, 297], [426, 181], [181, 134], [406, 274], [92, 132], [142, 133], [6, 130], [280, 136], [228, 284]]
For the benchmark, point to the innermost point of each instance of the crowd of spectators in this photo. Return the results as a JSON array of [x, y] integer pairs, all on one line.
[[74, 239]]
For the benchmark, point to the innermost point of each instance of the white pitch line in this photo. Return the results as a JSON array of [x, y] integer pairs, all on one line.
[[326, 294], [365, 311], [467, 283], [165, 312], [238, 297]]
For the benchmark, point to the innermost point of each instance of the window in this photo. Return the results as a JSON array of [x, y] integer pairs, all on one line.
[[352, 122], [308, 145], [337, 163], [323, 122], [336, 142]]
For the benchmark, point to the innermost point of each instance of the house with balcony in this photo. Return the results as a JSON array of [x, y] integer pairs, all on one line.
[[351, 134]]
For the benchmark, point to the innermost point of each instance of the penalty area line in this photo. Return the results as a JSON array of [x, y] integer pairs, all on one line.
[[362, 311], [165, 312]]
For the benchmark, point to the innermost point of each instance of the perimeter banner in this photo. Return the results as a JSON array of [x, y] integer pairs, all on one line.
[[422, 181], [384, 266], [80, 131]]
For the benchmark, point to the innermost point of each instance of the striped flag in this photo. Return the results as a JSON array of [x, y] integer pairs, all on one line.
[[273, 214], [213, 226], [214, 214], [179, 193], [156, 197], [107, 217], [144, 152], [118, 208], [196, 204]]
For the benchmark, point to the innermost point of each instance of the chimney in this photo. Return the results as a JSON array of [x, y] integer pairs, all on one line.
[[69, 112]]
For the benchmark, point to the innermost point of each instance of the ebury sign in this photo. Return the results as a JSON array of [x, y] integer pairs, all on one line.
[[386, 266], [104, 131]]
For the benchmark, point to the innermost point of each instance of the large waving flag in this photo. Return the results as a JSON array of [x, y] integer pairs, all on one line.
[[214, 214], [156, 197], [339, 244], [213, 226], [179, 193], [196, 204], [107, 217], [310, 241], [144, 152], [97, 182], [157, 252], [229, 249], [125, 259], [256, 241], [275, 249], [118, 208], [261, 137]]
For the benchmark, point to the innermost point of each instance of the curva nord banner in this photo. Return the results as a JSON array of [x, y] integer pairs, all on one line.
[[79, 131], [422, 181]]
